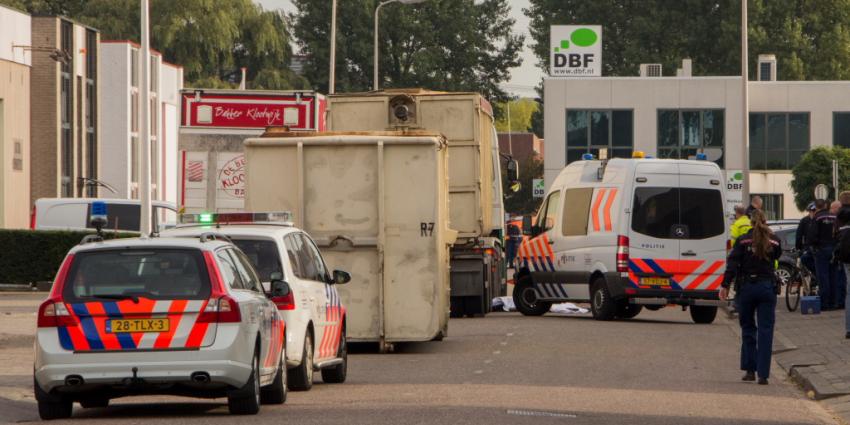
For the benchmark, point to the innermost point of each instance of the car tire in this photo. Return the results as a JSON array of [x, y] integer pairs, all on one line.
[[703, 314], [602, 305], [94, 402], [653, 307], [275, 393], [525, 299], [337, 374], [51, 406], [627, 310], [246, 400], [301, 377]]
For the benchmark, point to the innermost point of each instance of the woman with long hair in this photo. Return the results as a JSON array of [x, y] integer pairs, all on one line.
[[751, 266]]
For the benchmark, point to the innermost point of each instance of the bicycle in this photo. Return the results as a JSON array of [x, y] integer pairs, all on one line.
[[801, 283]]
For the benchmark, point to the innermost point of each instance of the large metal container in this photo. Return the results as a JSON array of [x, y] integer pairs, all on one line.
[[377, 205]]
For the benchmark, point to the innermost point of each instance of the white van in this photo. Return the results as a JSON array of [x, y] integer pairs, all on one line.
[[627, 233], [75, 214]]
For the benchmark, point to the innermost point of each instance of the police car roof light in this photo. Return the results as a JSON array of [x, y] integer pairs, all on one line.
[[701, 157], [279, 217], [587, 157]]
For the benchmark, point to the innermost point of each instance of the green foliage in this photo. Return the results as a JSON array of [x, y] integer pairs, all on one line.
[[452, 45], [521, 111], [36, 255], [211, 39], [523, 202], [709, 32], [816, 168]]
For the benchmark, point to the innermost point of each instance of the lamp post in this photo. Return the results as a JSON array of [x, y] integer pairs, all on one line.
[[332, 72], [745, 105], [145, 128], [377, 10]]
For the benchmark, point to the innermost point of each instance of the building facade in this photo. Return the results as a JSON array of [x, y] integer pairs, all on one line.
[[521, 146], [64, 128], [677, 117], [15, 66], [121, 130]]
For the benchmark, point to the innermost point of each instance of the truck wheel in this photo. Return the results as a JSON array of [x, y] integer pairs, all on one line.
[[653, 307], [525, 299], [601, 304], [703, 314], [627, 310]]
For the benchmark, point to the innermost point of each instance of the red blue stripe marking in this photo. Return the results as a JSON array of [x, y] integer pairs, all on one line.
[[89, 328], [125, 339]]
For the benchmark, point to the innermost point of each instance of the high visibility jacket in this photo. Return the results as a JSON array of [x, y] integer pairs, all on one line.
[[740, 227]]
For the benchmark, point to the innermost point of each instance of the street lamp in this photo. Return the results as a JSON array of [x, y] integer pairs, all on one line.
[[378, 9]]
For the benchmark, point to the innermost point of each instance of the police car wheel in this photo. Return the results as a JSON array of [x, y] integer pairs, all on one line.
[[525, 299], [276, 392], [246, 400], [336, 374], [301, 378], [602, 306], [626, 310], [653, 307], [703, 314], [52, 406], [94, 402]]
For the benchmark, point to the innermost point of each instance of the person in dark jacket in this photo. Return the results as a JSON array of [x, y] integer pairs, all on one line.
[[821, 237], [755, 204], [801, 243], [751, 262]]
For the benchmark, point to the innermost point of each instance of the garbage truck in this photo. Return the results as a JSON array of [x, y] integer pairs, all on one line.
[[376, 203], [478, 265]]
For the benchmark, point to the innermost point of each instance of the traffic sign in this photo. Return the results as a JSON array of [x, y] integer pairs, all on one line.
[[821, 191], [538, 187]]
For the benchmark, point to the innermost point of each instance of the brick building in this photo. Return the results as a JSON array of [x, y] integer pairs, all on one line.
[[521, 145], [64, 109]]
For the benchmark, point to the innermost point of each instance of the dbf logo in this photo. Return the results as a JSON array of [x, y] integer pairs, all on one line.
[[576, 50]]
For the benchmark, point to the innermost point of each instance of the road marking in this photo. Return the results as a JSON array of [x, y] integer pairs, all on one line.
[[540, 414]]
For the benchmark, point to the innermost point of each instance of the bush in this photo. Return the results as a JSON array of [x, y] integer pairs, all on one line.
[[815, 168], [35, 255]]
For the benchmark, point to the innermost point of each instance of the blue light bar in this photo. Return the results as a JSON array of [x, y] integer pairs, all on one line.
[[587, 157], [702, 157]]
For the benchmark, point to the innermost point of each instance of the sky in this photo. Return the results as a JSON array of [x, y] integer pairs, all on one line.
[[523, 78]]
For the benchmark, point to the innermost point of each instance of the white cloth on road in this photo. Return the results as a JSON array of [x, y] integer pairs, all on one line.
[[507, 304]]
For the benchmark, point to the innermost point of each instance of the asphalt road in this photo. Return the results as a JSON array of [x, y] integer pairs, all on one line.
[[504, 369]]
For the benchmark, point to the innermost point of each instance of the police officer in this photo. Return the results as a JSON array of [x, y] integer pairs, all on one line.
[[751, 262], [740, 226], [801, 244], [821, 238]]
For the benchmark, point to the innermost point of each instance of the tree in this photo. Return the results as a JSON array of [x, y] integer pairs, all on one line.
[[523, 202], [453, 45], [521, 111], [816, 168]]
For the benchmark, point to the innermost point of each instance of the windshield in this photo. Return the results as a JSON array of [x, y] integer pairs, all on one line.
[[263, 255], [658, 211], [154, 273]]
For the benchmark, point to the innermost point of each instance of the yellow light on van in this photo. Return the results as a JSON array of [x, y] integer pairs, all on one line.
[[638, 154]]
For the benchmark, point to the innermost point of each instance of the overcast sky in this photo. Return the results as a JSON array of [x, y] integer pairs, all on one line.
[[523, 79]]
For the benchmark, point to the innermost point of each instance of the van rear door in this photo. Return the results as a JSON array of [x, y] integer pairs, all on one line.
[[703, 248], [654, 247]]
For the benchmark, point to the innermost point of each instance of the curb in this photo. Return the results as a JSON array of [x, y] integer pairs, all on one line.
[[9, 287]]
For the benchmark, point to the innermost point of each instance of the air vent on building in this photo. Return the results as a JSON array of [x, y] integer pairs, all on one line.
[[767, 68], [650, 70]]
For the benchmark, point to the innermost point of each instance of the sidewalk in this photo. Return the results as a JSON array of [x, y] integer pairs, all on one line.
[[813, 351]]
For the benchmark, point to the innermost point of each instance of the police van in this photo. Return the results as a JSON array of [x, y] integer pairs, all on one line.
[[623, 234]]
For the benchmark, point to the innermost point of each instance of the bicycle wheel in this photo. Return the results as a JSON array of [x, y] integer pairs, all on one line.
[[792, 293]]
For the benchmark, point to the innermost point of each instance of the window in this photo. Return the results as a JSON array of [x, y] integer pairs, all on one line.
[[246, 271], [591, 130], [228, 270], [263, 256], [684, 133], [317, 270], [841, 129], [67, 95], [576, 211], [549, 212], [91, 110], [658, 211], [772, 205], [778, 140]]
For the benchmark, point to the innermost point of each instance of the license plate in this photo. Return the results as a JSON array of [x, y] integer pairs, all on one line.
[[654, 281], [137, 325]]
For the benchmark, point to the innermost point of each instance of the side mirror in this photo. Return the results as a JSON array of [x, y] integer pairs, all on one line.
[[276, 276], [512, 170], [526, 225], [341, 277], [280, 288]]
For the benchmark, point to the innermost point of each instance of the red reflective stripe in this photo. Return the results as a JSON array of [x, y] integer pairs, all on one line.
[[199, 330], [595, 211], [78, 339], [175, 314], [99, 318], [607, 209], [549, 248], [141, 310], [714, 285], [705, 275]]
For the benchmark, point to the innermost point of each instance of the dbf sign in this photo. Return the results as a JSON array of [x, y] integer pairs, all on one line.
[[576, 51], [538, 187]]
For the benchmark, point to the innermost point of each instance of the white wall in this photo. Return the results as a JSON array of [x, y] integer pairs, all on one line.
[[115, 117], [15, 29]]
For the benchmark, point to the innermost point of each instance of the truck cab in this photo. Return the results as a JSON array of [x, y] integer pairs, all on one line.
[[626, 234]]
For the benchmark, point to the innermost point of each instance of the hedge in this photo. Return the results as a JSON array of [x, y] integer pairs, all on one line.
[[31, 256]]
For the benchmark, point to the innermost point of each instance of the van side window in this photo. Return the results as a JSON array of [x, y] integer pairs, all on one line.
[[293, 246], [550, 215], [576, 211]]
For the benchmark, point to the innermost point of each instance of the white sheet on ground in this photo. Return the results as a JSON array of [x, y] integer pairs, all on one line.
[[507, 304]]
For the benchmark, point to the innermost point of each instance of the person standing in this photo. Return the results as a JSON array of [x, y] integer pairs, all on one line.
[[801, 243], [755, 204], [821, 238], [841, 278], [751, 263], [842, 222], [740, 226], [514, 240]]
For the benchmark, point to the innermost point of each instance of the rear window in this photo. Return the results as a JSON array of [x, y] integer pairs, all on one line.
[[263, 255], [156, 273], [660, 211]]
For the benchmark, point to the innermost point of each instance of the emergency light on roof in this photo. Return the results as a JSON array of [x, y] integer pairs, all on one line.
[[702, 157], [638, 154], [282, 217], [587, 157]]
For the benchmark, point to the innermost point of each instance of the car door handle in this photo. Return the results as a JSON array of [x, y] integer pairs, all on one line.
[[689, 254], [551, 242]]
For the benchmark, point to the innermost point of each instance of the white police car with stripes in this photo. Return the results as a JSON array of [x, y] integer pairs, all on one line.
[[624, 234], [313, 311]]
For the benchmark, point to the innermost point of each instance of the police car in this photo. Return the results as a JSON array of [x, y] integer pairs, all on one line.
[[624, 234], [314, 314], [172, 316]]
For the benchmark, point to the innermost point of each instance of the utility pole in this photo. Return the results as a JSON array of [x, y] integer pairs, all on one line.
[[145, 125], [745, 106], [332, 72]]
